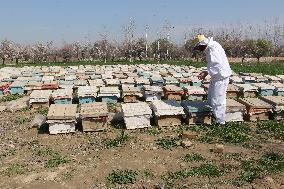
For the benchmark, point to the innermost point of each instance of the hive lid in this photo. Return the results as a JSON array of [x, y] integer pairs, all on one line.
[[95, 109], [62, 112], [167, 107], [274, 100], [254, 103], [196, 106], [136, 109]]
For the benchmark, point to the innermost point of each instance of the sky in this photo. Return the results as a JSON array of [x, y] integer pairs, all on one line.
[[28, 21]]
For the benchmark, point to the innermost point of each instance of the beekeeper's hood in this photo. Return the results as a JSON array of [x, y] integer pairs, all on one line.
[[202, 40]]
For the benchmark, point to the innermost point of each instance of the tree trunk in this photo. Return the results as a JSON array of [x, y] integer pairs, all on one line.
[[3, 61]]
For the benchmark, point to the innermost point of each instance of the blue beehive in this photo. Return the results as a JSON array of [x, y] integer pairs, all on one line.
[[196, 106], [109, 99], [63, 101], [265, 89], [87, 99], [18, 87]]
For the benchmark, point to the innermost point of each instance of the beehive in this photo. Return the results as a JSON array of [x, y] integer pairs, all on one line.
[[256, 109], [265, 89], [170, 81], [279, 89], [157, 81], [87, 94], [63, 96], [131, 93], [112, 82], [40, 98], [173, 92], [233, 91], [151, 93], [277, 102], [194, 93], [167, 113], [247, 90], [4, 87], [141, 82], [184, 82], [234, 111], [109, 94], [136, 115], [18, 87], [198, 112], [62, 118], [94, 116]]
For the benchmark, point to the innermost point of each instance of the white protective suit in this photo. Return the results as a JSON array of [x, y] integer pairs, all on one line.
[[219, 69]]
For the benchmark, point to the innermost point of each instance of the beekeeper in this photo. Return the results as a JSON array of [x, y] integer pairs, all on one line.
[[219, 69]]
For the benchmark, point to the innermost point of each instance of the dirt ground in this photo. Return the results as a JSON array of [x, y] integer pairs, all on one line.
[[85, 160]]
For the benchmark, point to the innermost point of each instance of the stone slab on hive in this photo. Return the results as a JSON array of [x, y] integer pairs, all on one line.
[[136, 109], [63, 93], [95, 109], [87, 91], [40, 96], [109, 91], [167, 107], [62, 112]]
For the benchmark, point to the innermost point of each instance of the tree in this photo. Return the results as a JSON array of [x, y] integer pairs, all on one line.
[[262, 47], [160, 48], [139, 49], [6, 50]]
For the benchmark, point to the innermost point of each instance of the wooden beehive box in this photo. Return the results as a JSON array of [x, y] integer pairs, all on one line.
[[96, 82], [184, 82], [40, 98], [279, 89], [136, 115], [265, 89], [173, 92], [198, 112], [233, 91], [63, 96], [247, 90], [94, 116], [52, 85], [112, 82], [170, 81], [157, 80], [277, 102], [141, 82], [128, 81], [167, 113], [87, 94], [194, 93], [256, 109], [273, 78], [131, 93], [151, 93], [109, 94], [18, 87], [234, 111], [62, 118]]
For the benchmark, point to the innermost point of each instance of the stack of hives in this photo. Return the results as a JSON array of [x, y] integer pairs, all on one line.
[[151, 93], [131, 93], [167, 113], [277, 102], [87, 94], [256, 109], [40, 98], [136, 115], [63, 96], [109, 94], [94, 116], [234, 111], [198, 112], [173, 92], [62, 118]]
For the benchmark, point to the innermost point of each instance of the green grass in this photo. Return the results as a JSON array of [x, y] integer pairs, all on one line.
[[193, 157], [235, 133], [271, 128], [55, 159], [168, 142], [271, 68], [120, 140], [14, 169], [23, 120], [254, 168], [10, 97], [122, 177], [42, 110], [148, 173]]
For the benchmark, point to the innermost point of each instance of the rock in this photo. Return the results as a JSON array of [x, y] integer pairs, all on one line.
[[2, 108], [38, 120], [186, 143], [189, 135], [219, 148], [18, 104]]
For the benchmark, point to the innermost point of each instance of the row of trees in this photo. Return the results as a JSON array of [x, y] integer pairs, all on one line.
[[240, 41]]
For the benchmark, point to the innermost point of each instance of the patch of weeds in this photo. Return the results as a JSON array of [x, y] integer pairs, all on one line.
[[154, 131], [122, 177], [42, 110], [120, 139], [168, 143], [14, 169], [25, 109], [232, 133], [272, 128], [56, 160], [232, 156], [205, 170], [253, 169], [7, 153], [10, 97], [193, 157], [23, 120], [68, 175], [148, 173]]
